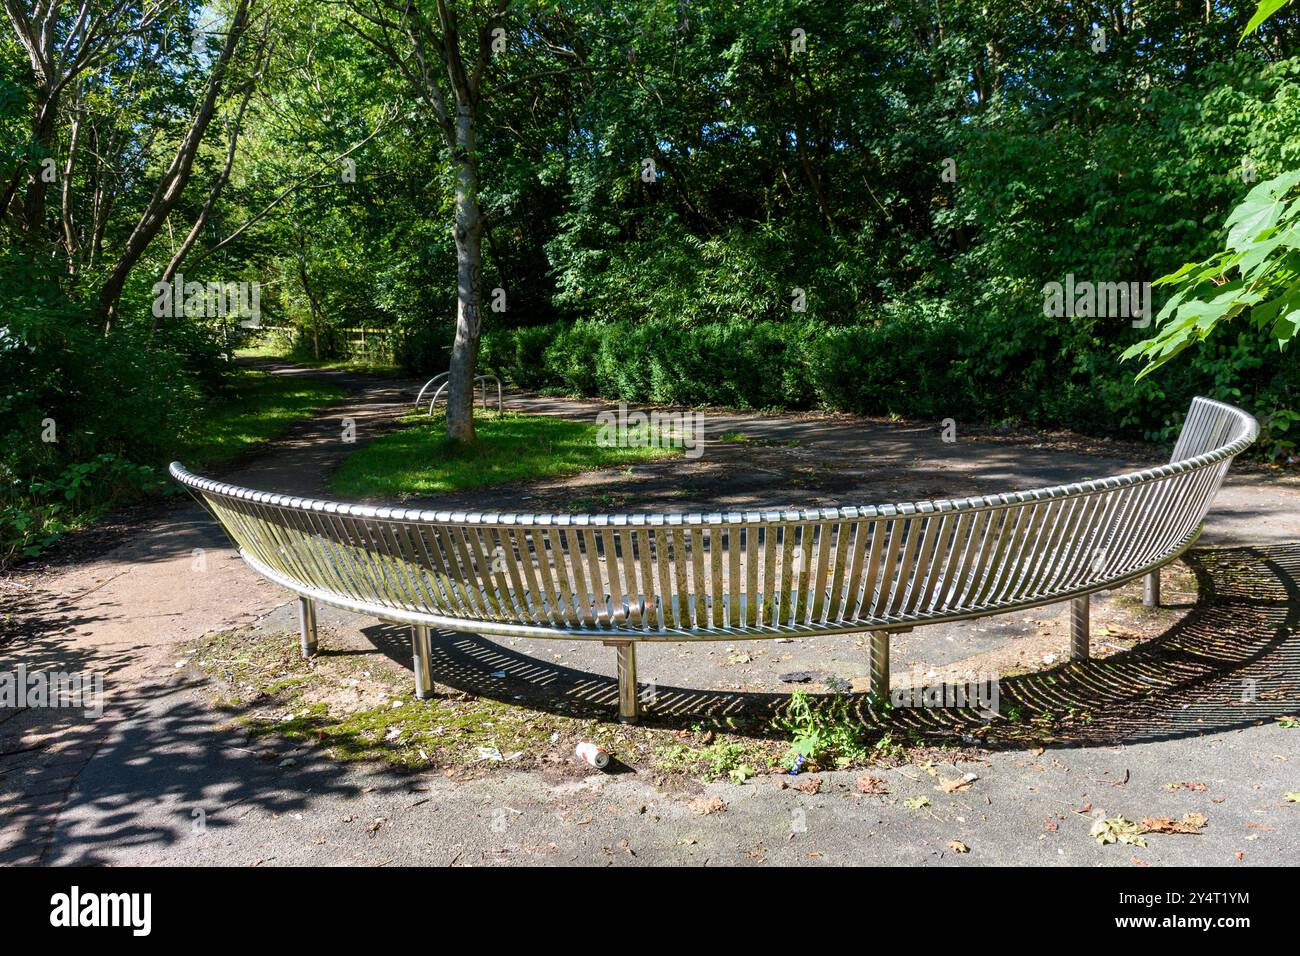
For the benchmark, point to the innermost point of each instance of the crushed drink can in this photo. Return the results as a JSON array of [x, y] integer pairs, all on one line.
[[592, 755]]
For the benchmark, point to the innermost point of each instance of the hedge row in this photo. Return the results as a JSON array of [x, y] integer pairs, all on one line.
[[924, 362]]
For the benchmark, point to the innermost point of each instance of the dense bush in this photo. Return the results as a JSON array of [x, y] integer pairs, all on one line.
[[922, 362], [85, 420]]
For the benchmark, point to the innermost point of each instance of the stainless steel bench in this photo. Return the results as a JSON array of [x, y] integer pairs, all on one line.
[[627, 578]]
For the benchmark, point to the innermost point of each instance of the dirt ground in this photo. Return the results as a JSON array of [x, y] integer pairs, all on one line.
[[217, 745]]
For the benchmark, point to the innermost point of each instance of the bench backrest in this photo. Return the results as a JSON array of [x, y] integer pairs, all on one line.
[[681, 576]]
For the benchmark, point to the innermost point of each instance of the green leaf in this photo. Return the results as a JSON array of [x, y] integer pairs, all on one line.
[[1265, 10], [1260, 210]]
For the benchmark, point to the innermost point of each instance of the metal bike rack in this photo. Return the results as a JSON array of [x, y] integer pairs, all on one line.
[[484, 379]]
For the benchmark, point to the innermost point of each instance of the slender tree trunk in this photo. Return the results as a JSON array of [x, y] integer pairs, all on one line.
[[468, 231], [43, 125], [172, 184], [305, 279], [70, 247]]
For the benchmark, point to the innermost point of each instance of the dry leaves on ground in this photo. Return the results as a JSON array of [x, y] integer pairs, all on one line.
[[706, 805], [809, 785], [955, 784], [1190, 823], [873, 786]]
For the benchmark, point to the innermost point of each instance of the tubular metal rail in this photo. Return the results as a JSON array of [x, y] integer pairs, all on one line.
[[627, 578], [443, 387]]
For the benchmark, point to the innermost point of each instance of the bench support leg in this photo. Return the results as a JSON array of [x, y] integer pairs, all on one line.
[[1151, 589], [1079, 627], [627, 703], [878, 662], [421, 651], [307, 626]]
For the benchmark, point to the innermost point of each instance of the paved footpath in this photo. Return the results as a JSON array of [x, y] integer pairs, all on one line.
[[158, 778]]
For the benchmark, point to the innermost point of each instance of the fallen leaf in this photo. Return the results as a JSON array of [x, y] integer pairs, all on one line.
[[1190, 823], [872, 785], [1136, 862], [958, 847], [953, 785], [916, 803], [1292, 796], [809, 785], [706, 805], [1117, 830]]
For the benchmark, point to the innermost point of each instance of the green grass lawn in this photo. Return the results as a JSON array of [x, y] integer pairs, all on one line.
[[261, 406], [421, 461]]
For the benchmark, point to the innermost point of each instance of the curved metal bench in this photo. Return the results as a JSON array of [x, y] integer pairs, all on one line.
[[628, 578]]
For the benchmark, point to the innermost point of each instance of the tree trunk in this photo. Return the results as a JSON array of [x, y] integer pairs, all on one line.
[[43, 126], [468, 231], [173, 181]]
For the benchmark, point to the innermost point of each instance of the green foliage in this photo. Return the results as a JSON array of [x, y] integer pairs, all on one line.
[[780, 171], [35, 512], [1256, 275], [1276, 436], [826, 735]]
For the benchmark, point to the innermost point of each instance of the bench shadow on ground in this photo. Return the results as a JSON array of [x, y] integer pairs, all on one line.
[[1231, 661]]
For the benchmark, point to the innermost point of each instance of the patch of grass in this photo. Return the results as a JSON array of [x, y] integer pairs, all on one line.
[[359, 709], [735, 760], [261, 407], [421, 460]]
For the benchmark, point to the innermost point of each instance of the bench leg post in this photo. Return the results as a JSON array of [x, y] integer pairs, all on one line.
[[1151, 589], [421, 651], [627, 703], [307, 625], [878, 662], [1079, 627]]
